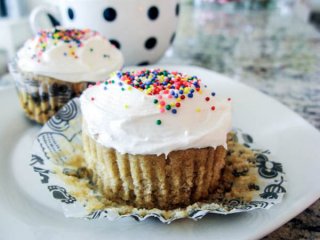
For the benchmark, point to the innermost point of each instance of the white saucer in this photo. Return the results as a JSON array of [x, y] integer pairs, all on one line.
[[27, 211]]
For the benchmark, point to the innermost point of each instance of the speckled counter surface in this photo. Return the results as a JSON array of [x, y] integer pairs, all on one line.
[[273, 51]]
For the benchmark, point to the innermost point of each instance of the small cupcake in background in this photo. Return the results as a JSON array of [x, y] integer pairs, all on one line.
[[57, 65]]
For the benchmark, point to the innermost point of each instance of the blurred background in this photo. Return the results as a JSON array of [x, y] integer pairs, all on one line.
[[237, 30], [259, 42], [239, 33]]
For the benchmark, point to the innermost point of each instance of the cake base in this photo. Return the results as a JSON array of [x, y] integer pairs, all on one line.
[[150, 181]]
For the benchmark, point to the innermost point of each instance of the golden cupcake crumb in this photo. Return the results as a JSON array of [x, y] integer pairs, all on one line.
[[238, 181]]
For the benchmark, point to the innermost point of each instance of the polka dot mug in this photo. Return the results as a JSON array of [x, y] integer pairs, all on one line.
[[141, 29]]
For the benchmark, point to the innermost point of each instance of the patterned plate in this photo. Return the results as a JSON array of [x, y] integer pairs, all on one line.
[[60, 139]]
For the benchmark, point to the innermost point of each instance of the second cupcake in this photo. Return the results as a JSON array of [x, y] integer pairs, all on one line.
[[57, 65]]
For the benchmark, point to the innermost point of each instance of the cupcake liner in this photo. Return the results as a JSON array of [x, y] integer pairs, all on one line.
[[151, 181], [57, 157], [41, 96]]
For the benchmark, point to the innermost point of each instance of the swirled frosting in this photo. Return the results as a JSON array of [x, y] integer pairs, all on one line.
[[70, 55], [155, 112]]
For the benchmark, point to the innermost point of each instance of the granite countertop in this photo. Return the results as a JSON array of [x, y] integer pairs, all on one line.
[[271, 50]]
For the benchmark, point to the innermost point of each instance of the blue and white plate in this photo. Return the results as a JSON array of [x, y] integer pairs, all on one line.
[[59, 141]]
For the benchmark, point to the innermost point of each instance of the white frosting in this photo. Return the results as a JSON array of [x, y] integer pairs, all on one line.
[[126, 120], [90, 58]]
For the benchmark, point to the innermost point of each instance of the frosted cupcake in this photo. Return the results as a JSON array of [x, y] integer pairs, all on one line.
[[57, 65], [155, 139]]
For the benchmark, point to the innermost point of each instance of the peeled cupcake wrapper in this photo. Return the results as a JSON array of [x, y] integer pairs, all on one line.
[[41, 96], [60, 140]]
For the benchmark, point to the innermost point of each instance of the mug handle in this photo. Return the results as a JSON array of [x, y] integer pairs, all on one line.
[[36, 13]]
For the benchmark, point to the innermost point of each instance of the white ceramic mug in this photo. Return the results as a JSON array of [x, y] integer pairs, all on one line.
[[141, 29]]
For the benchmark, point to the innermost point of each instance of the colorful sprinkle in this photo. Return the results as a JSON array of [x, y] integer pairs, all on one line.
[[72, 37], [190, 95], [166, 89]]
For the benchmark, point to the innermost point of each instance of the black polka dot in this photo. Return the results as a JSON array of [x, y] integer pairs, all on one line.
[[153, 13], [53, 20], [109, 14], [177, 9], [172, 38], [143, 63], [150, 43], [70, 13], [115, 43]]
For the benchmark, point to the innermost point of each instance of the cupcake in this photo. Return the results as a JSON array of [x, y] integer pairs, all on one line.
[[57, 65], [154, 138]]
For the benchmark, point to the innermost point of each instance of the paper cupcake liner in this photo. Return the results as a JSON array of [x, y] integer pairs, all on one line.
[[60, 142], [40, 96], [151, 181]]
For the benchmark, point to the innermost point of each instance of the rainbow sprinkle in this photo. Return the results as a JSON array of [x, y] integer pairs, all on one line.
[[169, 89], [73, 37]]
